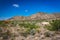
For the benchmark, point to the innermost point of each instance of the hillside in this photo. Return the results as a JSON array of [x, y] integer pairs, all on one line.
[[38, 16], [34, 27]]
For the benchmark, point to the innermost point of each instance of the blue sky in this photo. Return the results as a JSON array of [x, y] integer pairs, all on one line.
[[10, 8]]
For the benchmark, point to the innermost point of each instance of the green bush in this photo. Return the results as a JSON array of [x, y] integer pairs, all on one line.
[[28, 25], [55, 25], [29, 28], [3, 24]]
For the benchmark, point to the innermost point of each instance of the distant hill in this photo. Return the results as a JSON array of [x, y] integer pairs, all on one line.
[[37, 16]]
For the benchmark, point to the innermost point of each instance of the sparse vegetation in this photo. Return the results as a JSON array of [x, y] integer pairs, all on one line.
[[54, 25], [3, 24], [29, 27]]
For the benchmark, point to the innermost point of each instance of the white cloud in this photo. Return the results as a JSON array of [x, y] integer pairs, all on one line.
[[16, 5]]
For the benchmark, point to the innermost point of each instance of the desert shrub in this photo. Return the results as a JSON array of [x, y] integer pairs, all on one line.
[[25, 34], [29, 25], [6, 35], [13, 23], [29, 28], [3, 24], [48, 27], [32, 32], [47, 34], [54, 25]]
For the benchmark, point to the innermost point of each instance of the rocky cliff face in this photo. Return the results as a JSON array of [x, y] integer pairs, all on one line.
[[38, 16]]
